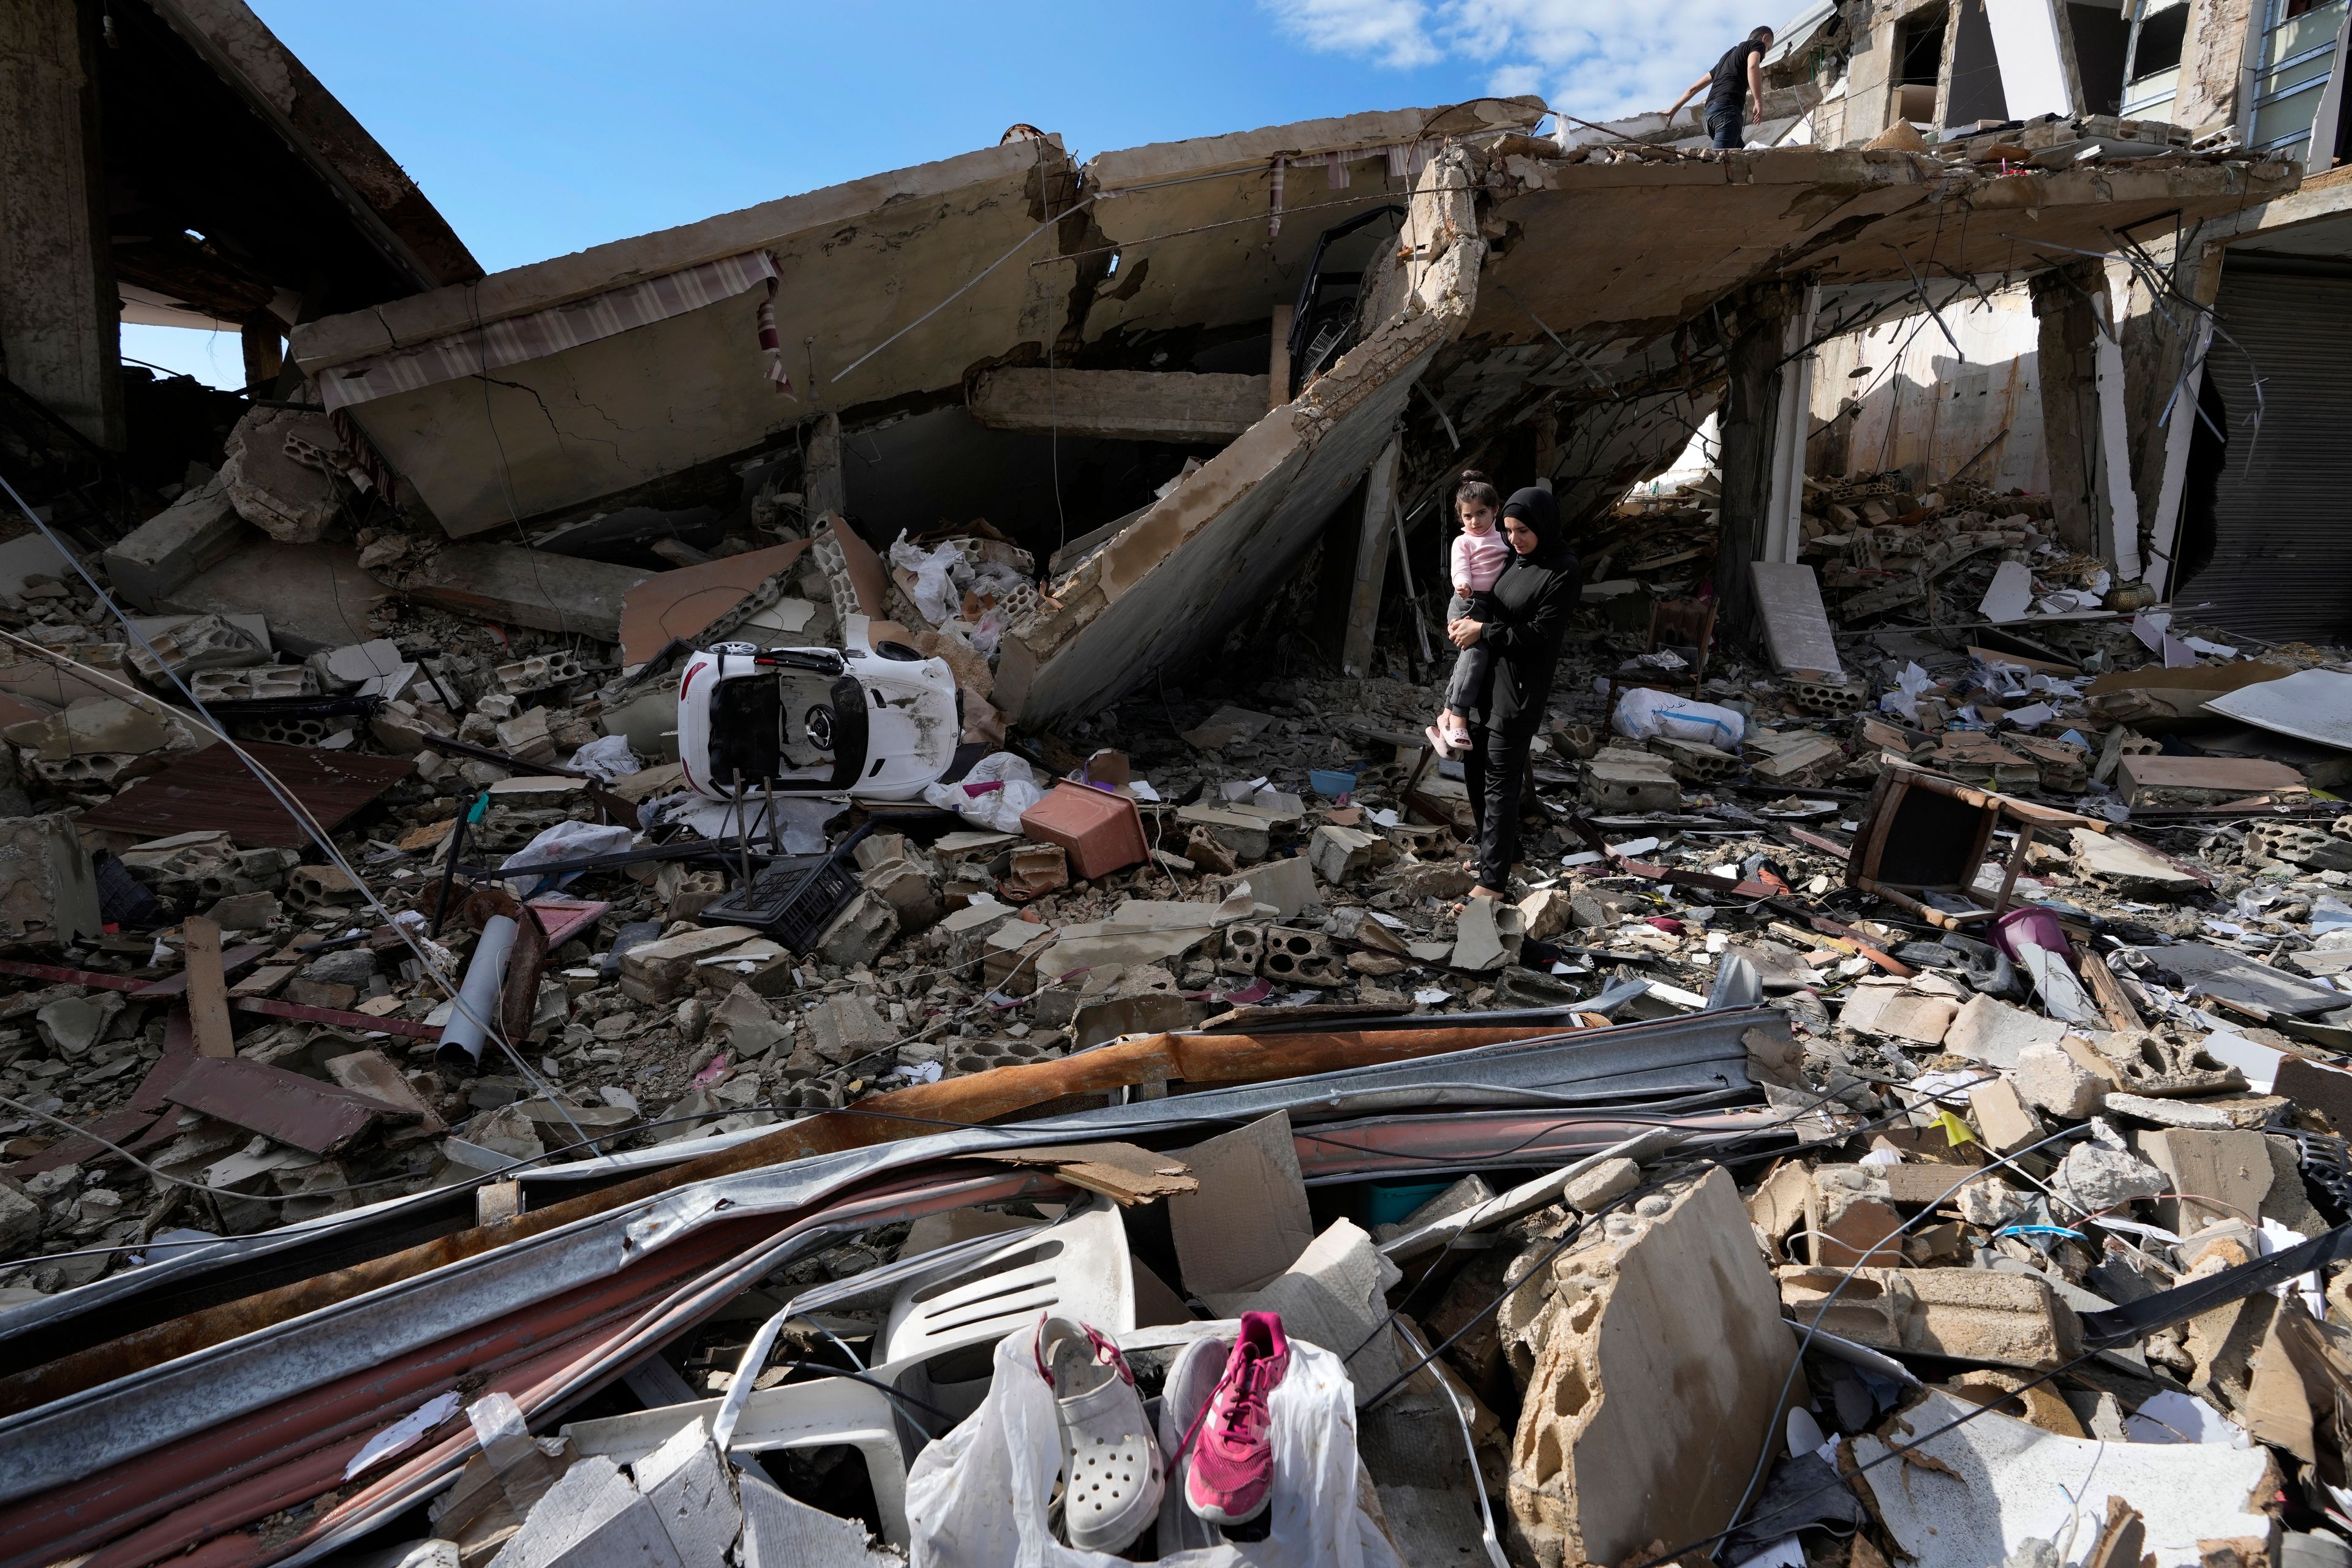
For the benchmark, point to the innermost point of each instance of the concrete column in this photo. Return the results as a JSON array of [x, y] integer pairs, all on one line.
[[2177, 379], [1790, 418], [1750, 429], [1277, 392], [60, 323], [265, 352], [2070, 413], [824, 486], [2119, 510], [1372, 561]]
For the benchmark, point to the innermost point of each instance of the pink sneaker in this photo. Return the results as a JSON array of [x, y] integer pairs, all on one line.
[[1438, 742], [1232, 1473]]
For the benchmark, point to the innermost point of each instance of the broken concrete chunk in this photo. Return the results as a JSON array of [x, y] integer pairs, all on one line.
[[1287, 882], [282, 472], [2199, 1502], [1544, 913], [1991, 1202], [1992, 1031], [196, 530], [1631, 780], [2051, 1078], [1487, 936], [20, 1217], [2003, 1117], [1601, 1465], [658, 971], [48, 890], [2232, 1169], [1341, 853], [2010, 1319], [688, 1484], [844, 1027], [2092, 1179], [860, 933], [2128, 869], [1608, 1181], [73, 1026], [782, 1532], [592, 1517], [1883, 1007]]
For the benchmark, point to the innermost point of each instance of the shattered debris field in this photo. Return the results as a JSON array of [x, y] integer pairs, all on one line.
[[890, 960]]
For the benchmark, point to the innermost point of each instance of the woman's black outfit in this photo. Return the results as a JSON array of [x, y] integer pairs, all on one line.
[[1534, 598]]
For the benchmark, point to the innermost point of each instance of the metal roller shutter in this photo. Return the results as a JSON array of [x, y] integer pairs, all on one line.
[[2282, 566]]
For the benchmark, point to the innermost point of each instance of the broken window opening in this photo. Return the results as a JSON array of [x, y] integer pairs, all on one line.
[[2158, 46], [1919, 68]]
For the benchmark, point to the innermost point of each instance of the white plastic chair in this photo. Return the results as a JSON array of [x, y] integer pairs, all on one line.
[[937, 1339]]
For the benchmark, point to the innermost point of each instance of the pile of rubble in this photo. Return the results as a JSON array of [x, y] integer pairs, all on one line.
[[1978, 1102]]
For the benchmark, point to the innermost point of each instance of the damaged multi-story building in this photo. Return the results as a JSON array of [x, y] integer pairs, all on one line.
[[2171, 384], [614, 923]]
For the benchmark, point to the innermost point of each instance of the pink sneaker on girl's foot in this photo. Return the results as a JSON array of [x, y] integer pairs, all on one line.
[[1457, 730], [1435, 735], [1232, 1473]]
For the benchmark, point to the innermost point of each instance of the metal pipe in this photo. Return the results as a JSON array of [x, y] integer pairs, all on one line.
[[477, 999]]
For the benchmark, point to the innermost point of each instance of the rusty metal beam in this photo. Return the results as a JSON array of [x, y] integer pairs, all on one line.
[[977, 1097]]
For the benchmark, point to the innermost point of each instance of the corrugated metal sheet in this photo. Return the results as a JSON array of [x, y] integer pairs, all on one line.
[[2283, 551], [214, 791]]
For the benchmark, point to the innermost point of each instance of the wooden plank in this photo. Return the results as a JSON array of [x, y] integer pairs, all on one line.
[[263, 982], [287, 1106], [336, 1017], [207, 989], [176, 985], [58, 973], [2107, 990]]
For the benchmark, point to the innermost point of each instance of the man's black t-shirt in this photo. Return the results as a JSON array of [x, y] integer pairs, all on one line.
[[1728, 92]]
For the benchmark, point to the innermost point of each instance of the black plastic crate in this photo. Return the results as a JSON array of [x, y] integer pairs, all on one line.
[[785, 901]]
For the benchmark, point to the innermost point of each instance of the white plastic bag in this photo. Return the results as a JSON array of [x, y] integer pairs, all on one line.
[[566, 841], [999, 787], [936, 593], [977, 1498], [608, 757], [1644, 715]]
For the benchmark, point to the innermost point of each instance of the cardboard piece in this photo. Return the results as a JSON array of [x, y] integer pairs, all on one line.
[[1249, 1221], [2010, 595], [1121, 1172], [680, 604]]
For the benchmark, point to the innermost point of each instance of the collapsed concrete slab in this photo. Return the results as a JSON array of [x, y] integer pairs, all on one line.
[[1213, 546], [1974, 1493], [639, 359]]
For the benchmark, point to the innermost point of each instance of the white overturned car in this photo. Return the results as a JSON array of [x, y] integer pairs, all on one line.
[[816, 720]]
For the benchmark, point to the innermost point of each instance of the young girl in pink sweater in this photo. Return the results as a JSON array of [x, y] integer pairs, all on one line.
[[1480, 554]]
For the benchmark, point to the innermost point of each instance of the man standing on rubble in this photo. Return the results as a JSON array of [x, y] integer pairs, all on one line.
[[1738, 74], [1533, 600]]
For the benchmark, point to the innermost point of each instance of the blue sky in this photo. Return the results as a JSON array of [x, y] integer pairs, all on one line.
[[538, 128]]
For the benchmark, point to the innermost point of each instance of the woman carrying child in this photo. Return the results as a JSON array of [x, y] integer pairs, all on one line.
[[1514, 626]]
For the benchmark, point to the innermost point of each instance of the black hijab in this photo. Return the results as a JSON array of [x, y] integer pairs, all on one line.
[[1535, 507]]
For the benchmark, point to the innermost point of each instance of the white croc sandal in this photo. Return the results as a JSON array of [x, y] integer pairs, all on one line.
[[1112, 1476]]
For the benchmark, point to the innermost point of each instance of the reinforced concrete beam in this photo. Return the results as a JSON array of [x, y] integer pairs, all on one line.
[[1119, 405]]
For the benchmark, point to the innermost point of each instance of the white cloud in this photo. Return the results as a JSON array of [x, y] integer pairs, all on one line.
[[1595, 59], [1395, 31]]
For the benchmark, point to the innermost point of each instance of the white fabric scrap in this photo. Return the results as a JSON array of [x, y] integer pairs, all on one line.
[[404, 1432]]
